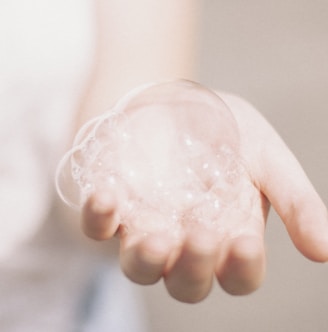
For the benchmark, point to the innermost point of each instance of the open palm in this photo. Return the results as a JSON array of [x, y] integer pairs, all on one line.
[[188, 263]]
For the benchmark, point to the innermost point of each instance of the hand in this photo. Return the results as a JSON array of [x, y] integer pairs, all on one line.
[[189, 264]]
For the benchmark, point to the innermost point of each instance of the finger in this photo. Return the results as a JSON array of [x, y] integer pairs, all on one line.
[[190, 278], [280, 177], [284, 182], [242, 270], [99, 217], [144, 257]]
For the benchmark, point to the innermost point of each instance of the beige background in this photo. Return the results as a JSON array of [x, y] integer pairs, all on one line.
[[275, 54]]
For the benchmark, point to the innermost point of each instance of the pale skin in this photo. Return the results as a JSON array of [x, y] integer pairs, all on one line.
[[189, 266]]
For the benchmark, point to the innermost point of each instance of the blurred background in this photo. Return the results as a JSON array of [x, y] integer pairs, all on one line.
[[275, 54], [272, 53]]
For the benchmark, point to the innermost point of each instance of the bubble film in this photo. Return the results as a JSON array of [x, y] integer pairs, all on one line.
[[168, 152]]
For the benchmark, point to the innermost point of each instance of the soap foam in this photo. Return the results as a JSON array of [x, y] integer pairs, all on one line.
[[169, 152]]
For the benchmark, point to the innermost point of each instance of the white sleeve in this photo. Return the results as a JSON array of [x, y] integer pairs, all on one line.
[[24, 184], [43, 71]]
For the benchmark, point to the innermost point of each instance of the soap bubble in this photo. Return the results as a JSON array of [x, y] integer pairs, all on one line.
[[169, 152]]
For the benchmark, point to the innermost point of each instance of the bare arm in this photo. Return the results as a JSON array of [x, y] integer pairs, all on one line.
[[149, 40], [139, 42]]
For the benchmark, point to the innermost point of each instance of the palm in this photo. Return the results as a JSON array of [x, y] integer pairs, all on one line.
[[234, 252]]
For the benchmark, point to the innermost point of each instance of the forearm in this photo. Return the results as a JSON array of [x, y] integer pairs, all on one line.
[[138, 42]]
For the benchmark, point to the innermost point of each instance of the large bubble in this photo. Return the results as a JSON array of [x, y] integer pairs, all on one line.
[[168, 152]]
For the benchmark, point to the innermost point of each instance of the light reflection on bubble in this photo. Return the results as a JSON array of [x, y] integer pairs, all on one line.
[[171, 149]]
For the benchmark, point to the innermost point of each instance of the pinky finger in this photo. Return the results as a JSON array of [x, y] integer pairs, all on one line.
[[99, 217]]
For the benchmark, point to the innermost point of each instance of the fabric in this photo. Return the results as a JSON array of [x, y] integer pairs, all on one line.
[[50, 280]]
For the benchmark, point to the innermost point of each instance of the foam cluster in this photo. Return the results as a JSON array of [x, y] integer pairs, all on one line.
[[168, 152]]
